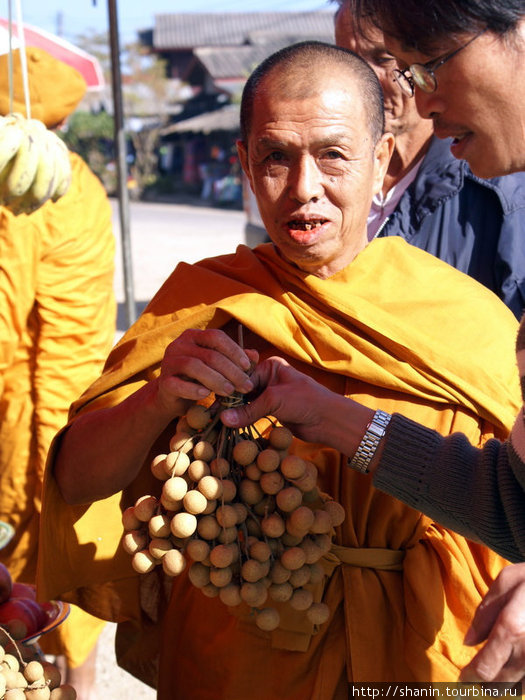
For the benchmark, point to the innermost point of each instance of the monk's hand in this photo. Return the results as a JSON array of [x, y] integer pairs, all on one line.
[[500, 623], [199, 362], [307, 408]]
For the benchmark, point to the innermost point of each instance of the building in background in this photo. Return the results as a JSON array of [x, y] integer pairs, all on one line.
[[212, 55]]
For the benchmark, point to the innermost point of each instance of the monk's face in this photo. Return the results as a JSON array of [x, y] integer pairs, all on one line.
[[314, 168]]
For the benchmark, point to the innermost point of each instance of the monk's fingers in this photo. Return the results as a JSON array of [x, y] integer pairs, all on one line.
[[199, 342], [173, 388], [253, 356], [210, 359]]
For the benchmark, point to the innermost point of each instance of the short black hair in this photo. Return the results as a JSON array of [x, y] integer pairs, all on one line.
[[310, 52], [423, 25]]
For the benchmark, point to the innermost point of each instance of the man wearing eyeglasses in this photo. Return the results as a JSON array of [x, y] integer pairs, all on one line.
[[429, 197]]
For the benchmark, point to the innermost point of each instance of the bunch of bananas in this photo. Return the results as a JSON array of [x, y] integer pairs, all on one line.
[[34, 164]]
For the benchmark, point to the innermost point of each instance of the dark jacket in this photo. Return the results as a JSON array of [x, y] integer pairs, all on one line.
[[476, 225]]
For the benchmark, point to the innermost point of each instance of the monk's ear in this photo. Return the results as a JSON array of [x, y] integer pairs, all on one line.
[[382, 154], [243, 157]]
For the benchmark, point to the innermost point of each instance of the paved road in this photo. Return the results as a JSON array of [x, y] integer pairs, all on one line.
[[161, 236]]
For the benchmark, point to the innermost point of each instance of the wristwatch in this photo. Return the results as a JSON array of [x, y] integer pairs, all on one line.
[[371, 439]]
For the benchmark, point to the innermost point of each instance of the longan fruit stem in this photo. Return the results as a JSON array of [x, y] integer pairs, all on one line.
[[210, 427], [15, 646]]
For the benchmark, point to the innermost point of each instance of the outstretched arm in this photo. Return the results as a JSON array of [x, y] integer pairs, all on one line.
[[476, 492], [102, 451]]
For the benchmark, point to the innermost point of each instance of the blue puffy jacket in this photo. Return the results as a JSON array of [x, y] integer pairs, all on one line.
[[476, 225]]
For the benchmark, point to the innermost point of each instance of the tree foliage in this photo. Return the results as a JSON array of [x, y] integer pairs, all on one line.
[[91, 135], [145, 96]]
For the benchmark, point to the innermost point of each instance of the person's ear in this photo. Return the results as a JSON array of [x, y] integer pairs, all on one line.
[[243, 157], [382, 155]]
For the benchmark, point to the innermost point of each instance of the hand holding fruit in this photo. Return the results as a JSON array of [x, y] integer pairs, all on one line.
[[199, 362], [294, 398], [310, 410]]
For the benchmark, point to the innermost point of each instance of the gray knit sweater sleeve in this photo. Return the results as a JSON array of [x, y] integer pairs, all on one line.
[[479, 493]]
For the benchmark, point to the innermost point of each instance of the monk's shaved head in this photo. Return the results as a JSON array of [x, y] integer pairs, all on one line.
[[299, 71]]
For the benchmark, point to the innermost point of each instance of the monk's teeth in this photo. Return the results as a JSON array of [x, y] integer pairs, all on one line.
[[305, 225]]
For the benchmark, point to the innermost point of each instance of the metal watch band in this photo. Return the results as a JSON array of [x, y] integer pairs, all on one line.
[[371, 439]]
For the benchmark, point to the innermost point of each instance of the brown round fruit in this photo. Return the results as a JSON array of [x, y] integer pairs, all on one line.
[[267, 619], [33, 672], [145, 508], [245, 452], [64, 692], [129, 520], [268, 460], [158, 467], [293, 467], [143, 562], [198, 417], [204, 450], [173, 562], [280, 438], [197, 550], [318, 613], [183, 524], [134, 540]]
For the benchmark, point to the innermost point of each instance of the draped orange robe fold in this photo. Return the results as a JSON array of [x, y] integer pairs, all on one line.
[[395, 329]]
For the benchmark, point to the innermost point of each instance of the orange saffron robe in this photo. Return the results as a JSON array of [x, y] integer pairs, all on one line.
[[396, 329], [57, 325]]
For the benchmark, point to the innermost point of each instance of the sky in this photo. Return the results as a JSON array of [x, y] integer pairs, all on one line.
[[71, 19]]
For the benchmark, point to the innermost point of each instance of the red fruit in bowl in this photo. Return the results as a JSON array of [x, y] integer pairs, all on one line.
[[19, 620], [6, 583], [23, 590], [36, 610]]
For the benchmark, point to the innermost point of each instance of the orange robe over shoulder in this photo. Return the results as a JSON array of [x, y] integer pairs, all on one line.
[[396, 329]]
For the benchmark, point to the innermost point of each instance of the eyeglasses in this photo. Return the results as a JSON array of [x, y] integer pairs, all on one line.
[[422, 75]]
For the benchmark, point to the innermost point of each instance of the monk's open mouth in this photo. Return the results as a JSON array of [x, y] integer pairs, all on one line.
[[306, 225]]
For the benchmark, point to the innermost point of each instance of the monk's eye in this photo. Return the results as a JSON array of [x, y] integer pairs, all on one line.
[[275, 157], [332, 155]]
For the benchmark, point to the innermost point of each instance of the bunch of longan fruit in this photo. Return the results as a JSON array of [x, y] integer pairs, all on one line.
[[33, 680], [242, 511]]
